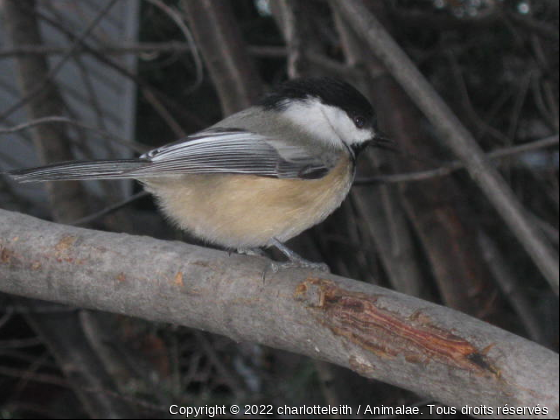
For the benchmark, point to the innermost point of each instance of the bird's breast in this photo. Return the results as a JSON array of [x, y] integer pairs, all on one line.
[[244, 211]]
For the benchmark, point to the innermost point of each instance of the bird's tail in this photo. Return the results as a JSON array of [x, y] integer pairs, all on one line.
[[79, 170]]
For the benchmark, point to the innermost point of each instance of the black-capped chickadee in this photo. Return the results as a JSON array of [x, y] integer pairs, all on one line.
[[257, 178]]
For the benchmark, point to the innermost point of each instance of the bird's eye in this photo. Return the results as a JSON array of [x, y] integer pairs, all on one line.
[[359, 121]]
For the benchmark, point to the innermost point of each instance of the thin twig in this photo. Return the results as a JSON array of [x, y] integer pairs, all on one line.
[[507, 281], [538, 27], [453, 134], [164, 113], [483, 126], [550, 231], [107, 210], [54, 70], [110, 49], [456, 165], [62, 382], [158, 97], [289, 14], [332, 66], [37, 377], [35, 365], [18, 343], [225, 54], [520, 99], [137, 147], [227, 375], [7, 316], [138, 48], [176, 17]]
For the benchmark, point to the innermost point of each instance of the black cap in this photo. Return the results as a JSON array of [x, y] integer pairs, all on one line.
[[328, 90]]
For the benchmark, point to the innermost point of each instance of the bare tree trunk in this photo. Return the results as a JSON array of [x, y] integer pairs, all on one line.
[[381, 334]]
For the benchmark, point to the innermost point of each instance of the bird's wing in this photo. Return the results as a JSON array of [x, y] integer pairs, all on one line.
[[233, 151]]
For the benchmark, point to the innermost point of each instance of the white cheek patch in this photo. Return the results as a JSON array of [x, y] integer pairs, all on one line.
[[345, 128], [309, 116], [326, 122]]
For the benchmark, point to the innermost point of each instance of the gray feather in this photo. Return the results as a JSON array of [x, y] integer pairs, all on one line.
[[233, 151], [78, 170], [213, 151]]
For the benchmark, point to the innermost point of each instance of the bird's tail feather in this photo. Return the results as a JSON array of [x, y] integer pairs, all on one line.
[[78, 170]]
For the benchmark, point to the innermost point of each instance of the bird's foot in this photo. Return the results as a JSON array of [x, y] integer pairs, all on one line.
[[295, 261]]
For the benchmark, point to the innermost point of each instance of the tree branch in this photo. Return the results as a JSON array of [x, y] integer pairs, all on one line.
[[155, 97], [383, 214], [43, 84], [453, 134], [506, 279], [289, 16], [227, 59], [378, 333], [131, 144], [176, 17], [457, 164]]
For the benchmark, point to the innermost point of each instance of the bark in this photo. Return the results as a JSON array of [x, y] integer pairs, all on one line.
[[453, 134], [381, 334]]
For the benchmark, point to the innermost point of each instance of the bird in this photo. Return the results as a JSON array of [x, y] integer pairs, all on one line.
[[257, 178]]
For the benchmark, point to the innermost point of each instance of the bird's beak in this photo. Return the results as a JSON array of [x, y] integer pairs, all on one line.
[[381, 141]]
